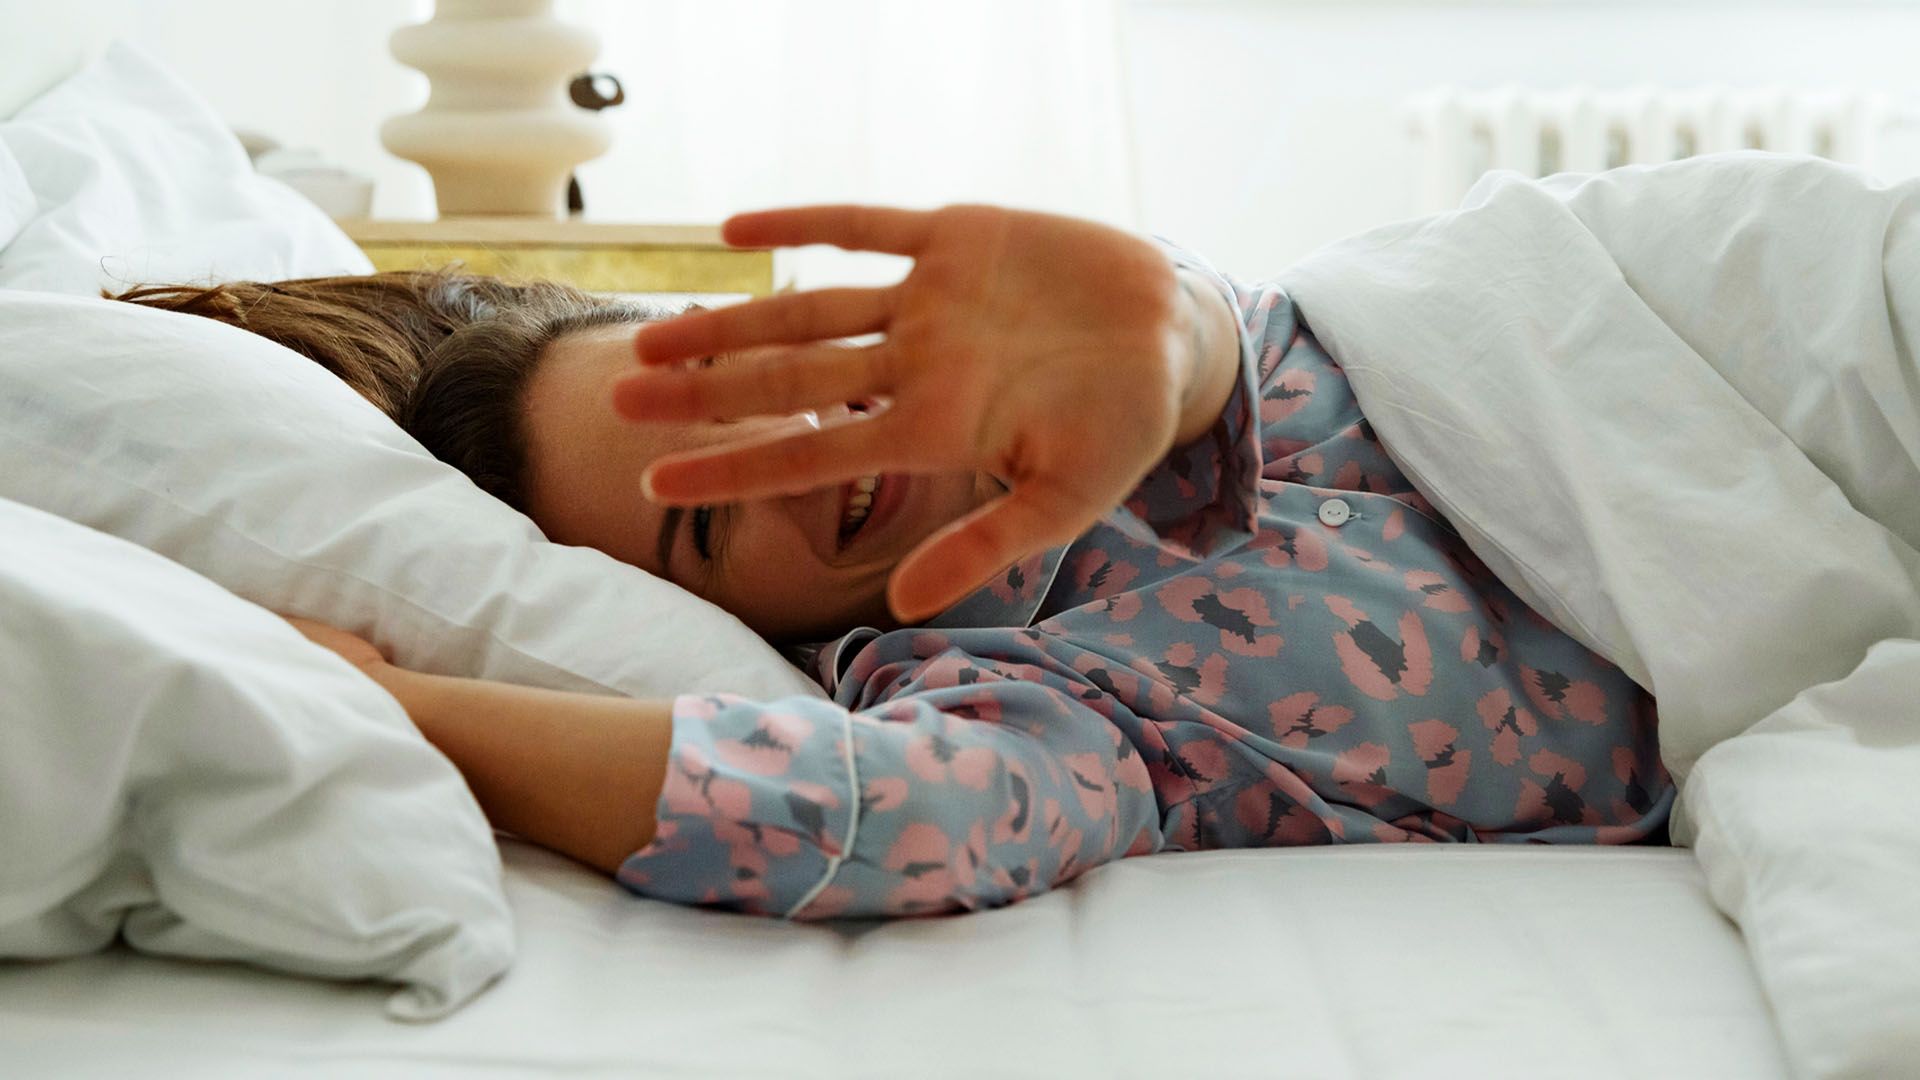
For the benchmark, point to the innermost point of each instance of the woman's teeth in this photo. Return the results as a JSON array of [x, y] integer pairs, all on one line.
[[858, 504]]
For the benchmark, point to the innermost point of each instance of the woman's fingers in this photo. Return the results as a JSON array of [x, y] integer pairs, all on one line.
[[965, 554], [855, 228], [790, 319], [784, 465], [777, 384]]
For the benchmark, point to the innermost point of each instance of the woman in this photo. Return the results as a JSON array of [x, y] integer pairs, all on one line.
[[1091, 547]]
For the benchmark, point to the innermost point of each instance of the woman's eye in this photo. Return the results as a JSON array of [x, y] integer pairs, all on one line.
[[702, 521]]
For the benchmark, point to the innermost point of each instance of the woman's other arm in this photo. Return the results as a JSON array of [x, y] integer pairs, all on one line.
[[576, 773], [976, 784]]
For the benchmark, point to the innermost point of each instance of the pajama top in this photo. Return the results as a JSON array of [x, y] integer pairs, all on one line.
[[1276, 640]]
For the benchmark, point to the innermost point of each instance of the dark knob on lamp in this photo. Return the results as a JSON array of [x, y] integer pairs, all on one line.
[[592, 91]]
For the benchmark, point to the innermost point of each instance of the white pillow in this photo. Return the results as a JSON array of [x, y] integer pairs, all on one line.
[[183, 768], [255, 467], [137, 180]]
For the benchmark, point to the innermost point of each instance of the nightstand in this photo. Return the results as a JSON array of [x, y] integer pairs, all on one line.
[[591, 255]]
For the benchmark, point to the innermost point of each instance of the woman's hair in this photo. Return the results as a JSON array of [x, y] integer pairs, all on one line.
[[446, 355]]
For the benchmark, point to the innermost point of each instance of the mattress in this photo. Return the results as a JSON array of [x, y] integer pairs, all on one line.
[[1320, 962]]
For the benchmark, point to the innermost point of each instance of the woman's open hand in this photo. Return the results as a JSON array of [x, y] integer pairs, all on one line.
[[1049, 352]]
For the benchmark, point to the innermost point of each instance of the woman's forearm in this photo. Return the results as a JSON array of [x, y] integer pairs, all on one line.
[[577, 773], [1215, 357]]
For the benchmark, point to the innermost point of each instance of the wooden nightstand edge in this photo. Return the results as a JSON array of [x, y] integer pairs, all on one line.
[[534, 232]]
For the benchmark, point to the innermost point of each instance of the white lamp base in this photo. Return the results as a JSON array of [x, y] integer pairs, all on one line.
[[498, 133]]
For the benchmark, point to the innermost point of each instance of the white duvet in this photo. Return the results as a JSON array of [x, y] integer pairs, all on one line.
[[1678, 410]]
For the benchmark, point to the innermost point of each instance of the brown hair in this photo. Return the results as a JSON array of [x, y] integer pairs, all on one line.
[[447, 355]]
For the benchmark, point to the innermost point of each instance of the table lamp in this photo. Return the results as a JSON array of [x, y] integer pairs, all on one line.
[[498, 134]]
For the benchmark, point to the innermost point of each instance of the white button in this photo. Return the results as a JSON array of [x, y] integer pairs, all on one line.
[[1335, 512]]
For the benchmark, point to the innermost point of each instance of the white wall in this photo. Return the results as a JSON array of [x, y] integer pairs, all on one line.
[[1265, 128], [1261, 128], [307, 72]]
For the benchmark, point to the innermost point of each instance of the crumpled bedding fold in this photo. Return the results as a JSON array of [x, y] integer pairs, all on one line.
[[1677, 410]]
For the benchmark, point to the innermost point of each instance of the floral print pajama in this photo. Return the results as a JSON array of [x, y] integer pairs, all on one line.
[[1276, 640]]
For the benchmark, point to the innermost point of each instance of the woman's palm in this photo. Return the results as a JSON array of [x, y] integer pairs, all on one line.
[[1040, 349]]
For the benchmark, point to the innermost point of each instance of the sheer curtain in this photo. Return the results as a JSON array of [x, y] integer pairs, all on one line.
[[741, 104]]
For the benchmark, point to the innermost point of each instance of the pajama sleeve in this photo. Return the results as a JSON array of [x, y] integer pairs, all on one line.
[[974, 783]]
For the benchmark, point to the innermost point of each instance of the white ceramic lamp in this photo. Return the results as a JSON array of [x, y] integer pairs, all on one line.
[[498, 133]]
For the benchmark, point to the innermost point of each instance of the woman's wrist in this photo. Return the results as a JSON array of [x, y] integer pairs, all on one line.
[[1212, 349], [398, 681], [428, 699]]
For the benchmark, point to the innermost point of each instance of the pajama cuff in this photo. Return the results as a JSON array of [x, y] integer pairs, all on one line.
[[758, 807]]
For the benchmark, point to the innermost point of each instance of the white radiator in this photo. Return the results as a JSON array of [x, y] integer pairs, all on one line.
[[1460, 134]]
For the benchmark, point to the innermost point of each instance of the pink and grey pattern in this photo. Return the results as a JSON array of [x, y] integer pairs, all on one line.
[[1222, 663]]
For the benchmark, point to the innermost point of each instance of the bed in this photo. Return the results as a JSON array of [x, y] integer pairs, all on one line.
[[1310, 963], [195, 943]]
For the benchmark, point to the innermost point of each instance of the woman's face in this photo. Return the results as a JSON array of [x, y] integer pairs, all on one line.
[[778, 564]]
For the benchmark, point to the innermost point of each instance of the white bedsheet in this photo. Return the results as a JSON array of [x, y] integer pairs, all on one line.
[[1678, 410], [1403, 961]]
